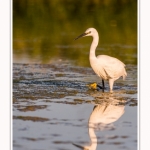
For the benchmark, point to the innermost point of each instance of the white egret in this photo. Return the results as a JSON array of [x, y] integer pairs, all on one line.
[[106, 67]]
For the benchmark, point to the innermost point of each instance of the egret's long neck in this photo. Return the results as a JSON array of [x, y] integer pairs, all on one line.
[[93, 46]]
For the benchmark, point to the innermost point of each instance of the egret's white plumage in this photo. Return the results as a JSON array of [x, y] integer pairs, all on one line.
[[106, 67]]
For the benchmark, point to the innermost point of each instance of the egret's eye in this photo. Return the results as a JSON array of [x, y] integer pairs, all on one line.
[[88, 32]]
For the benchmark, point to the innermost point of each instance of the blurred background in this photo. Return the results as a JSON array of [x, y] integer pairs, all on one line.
[[44, 30]]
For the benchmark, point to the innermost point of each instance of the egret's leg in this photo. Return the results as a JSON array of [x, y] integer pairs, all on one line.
[[111, 82], [103, 87], [103, 84]]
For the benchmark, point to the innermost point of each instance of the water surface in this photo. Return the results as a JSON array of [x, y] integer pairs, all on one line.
[[53, 108]]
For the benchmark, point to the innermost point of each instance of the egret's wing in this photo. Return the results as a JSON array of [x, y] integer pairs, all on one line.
[[113, 67]]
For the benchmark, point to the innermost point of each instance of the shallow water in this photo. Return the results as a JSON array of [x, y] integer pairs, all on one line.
[[53, 108]]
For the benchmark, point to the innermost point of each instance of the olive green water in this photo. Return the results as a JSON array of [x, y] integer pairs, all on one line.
[[44, 30], [53, 107]]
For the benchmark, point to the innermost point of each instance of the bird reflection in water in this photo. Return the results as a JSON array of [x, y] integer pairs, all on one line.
[[101, 118]]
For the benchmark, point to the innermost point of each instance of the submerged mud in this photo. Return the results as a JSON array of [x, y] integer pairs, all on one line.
[[36, 81]]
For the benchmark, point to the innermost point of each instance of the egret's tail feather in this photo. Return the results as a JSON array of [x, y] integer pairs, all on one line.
[[125, 75]]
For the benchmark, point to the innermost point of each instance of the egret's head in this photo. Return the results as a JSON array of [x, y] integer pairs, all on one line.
[[88, 32]]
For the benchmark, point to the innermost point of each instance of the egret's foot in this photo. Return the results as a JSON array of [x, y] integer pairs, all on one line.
[[99, 86], [95, 86], [92, 86]]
